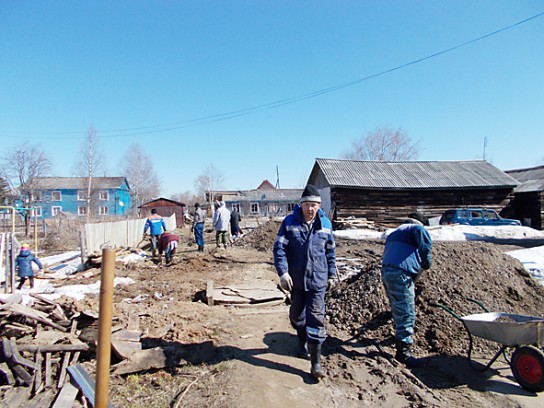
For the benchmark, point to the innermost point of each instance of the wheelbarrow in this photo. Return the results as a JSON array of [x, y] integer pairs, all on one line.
[[523, 334]]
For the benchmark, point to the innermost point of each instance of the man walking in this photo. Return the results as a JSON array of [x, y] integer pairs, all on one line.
[[221, 219], [407, 251], [305, 260], [198, 226]]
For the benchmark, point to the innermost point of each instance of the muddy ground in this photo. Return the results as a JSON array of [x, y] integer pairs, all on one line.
[[243, 357]]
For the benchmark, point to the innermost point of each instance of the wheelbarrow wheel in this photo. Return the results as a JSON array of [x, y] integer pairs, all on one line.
[[528, 368]]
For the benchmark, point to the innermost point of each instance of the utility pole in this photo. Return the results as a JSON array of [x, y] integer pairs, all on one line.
[[485, 145], [277, 177]]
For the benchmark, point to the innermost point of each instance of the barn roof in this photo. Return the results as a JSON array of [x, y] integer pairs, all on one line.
[[75, 183], [411, 174], [531, 179]]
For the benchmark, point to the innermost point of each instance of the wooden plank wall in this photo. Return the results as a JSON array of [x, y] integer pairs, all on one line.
[[389, 207]]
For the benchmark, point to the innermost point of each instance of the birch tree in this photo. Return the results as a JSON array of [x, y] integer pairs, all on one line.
[[208, 183], [142, 178], [90, 163]]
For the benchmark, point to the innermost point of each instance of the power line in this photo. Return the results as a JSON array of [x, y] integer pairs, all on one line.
[[153, 129]]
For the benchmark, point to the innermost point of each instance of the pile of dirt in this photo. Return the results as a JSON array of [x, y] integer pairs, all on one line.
[[261, 238], [460, 270]]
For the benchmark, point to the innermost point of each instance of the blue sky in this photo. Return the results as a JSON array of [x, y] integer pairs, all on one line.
[[155, 67]]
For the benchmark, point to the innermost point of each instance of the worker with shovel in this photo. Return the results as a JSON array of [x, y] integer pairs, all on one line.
[[305, 260], [407, 251]]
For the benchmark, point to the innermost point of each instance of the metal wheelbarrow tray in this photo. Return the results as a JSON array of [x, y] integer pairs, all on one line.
[[525, 334]]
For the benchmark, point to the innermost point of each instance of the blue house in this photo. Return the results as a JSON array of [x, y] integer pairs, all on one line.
[[50, 196]]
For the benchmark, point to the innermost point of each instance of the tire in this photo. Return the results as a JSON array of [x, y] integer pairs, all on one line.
[[528, 368]]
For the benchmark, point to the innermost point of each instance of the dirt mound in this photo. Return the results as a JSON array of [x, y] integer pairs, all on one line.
[[261, 238], [460, 270]]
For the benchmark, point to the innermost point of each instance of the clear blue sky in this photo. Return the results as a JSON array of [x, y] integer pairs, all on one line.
[[156, 66]]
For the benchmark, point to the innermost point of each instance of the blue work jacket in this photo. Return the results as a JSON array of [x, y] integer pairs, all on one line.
[[408, 248], [308, 255], [155, 224]]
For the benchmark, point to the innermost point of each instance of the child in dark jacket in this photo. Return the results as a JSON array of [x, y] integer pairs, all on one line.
[[23, 263]]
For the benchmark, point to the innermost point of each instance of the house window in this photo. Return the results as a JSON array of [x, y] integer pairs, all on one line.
[[81, 196], [37, 212], [103, 210], [254, 208], [56, 196], [236, 207], [290, 207], [36, 196], [81, 210], [56, 210], [103, 195]]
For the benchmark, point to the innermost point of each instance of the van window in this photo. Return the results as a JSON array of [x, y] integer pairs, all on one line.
[[490, 215], [462, 214], [476, 214]]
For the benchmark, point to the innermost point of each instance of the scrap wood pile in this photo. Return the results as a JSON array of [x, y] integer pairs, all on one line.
[[46, 352], [354, 223]]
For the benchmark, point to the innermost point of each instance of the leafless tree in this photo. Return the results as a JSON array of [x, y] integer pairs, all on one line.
[[208, 183], [186, 198], [21, 167], [90, 163], [142, 178], [383, 144]]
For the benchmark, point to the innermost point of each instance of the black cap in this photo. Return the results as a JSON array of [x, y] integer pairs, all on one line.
[[197, 205], [419, 217], [310, 194], [153, 211]]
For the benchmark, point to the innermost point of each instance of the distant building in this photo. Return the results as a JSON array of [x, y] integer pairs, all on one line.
[[529, 196], [264, 201], [50, 196], [166, 207]]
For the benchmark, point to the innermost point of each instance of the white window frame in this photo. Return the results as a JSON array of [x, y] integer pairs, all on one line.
[[254, 208], [82, 210], [290, 207], [103, 210], [103, 195], [56, 210], [36, 196], [37, 212], [53, 195], [81, 195]]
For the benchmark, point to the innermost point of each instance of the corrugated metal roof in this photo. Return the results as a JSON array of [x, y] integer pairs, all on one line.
[[412, 174], [76, 183], [532, 179]]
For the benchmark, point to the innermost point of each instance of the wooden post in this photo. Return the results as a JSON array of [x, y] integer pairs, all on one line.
[[83, 248], [3, 238], [12, 262], [104, 328]]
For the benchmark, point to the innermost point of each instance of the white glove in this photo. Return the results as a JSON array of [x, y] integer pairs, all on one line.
[[286, 282], [331, 283]]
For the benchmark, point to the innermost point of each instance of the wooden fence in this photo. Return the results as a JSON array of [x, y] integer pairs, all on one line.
[[126, 233]]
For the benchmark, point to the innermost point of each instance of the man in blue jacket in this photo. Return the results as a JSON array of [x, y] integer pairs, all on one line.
[[156, 226], [305, 260], [407, 251]]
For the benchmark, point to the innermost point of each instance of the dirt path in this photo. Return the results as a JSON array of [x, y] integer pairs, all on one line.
[[244, 357]]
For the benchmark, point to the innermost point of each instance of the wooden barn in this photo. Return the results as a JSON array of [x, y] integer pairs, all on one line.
[[529, 196], [385, 192], [166, 208]]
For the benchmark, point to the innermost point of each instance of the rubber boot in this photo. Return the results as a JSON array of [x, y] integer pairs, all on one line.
[[302, 348], [31, 283], [315, 358], [404, 355]]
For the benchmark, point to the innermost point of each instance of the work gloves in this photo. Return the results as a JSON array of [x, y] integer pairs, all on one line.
[[331, 283], [286, 282]]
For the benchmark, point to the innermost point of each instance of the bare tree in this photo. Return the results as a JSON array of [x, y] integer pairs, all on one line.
[[186, 198], [90, 163], [4, 192], [207, 184], [140, 173], [383, 144], [21, 167]]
